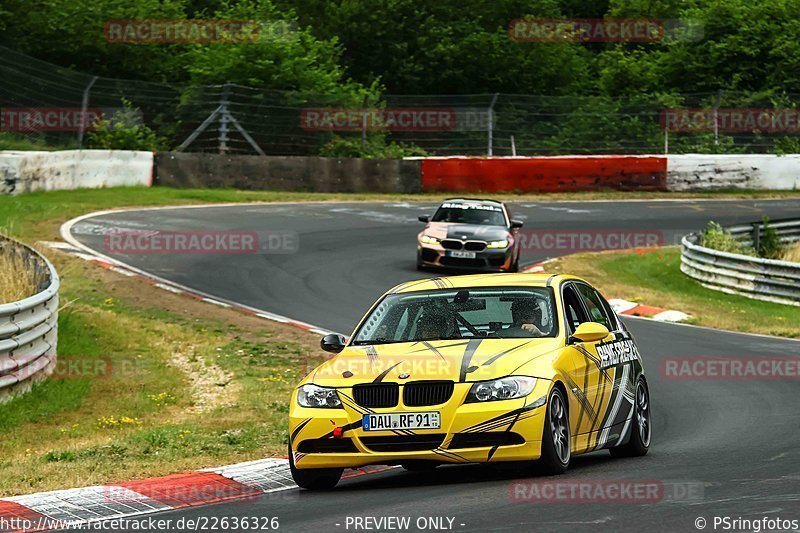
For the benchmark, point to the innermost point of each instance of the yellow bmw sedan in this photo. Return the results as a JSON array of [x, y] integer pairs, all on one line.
[[533, 368]]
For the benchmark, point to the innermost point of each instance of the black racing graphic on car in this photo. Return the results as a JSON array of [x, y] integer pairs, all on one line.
[[617, 352], [619, 406], [520, 413], [469, 352]]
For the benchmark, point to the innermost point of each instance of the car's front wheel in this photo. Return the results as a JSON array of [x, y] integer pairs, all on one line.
[[556, 452], [641, 425], [314, 478]]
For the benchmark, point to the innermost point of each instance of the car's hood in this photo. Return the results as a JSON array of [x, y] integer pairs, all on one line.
[[457, 360], [465, 232]]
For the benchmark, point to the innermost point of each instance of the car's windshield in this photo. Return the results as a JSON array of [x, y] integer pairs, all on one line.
[[507, 312], [464, 213]]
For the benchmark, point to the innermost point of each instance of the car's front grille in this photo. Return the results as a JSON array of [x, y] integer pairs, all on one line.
[[327, 446], [452, 244], [376, 394], [403, 443], [475, 246], [490, 438], [420, 393]]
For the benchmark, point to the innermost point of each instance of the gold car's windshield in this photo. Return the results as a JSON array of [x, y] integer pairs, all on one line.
[[468, 213], [506, 312]]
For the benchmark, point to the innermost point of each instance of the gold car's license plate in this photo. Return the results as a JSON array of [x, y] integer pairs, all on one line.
[[384, 422], [462, 254]]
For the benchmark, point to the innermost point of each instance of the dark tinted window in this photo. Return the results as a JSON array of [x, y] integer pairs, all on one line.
[[573, 308], [597, 311], [460, 313], [468, 213]]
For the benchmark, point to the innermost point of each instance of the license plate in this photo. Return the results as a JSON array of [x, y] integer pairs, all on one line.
[[461, 254], [384, 422]]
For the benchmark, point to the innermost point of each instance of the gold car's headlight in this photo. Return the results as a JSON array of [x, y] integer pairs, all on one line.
[[498, 244], [427, 239]]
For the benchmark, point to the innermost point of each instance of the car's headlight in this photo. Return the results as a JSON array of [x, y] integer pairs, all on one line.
[[313, 396], [501, 389], [427, 239], [498, 244]]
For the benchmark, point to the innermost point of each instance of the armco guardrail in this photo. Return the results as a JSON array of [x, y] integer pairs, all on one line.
[[754, 277], [29, 327]]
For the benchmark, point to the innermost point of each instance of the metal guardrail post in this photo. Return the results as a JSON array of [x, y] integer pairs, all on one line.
[[29, 327], [756, 236], [754, 277]]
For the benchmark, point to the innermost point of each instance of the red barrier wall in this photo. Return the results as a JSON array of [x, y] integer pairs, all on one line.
[[544, 174]]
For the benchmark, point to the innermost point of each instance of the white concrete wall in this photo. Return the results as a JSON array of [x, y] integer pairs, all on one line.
[[73, 169], [703, 171]]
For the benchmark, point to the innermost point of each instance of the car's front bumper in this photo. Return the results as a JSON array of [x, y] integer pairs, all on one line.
[[507, 430], [490, 260]]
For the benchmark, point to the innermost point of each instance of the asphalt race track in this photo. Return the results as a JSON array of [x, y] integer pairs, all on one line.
[[732, 444]]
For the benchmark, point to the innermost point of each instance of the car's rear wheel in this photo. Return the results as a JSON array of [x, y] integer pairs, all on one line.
[[556, 453], [314, 478], [641, 425]]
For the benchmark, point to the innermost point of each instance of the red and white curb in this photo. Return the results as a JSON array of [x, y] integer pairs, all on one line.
[[628, 308], [70, 508], [624, 307]]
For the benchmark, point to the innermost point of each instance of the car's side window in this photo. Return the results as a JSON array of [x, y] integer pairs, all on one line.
[[573, 309], [597, 312], [615, 321]]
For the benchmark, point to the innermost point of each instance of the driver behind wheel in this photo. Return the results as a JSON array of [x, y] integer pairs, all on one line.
[[434, 324], [527, 319]]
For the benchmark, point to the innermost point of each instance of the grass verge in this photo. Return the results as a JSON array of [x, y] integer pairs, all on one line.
[[16, 280], [653, 277]]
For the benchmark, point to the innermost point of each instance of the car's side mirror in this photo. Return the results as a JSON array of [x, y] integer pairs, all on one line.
[[424, 218], [332, 343], [589, 332], [516, 224]]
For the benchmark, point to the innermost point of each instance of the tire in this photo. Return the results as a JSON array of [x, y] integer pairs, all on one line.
[[314, 478], [556, 453], [641, 426], [419, 466]]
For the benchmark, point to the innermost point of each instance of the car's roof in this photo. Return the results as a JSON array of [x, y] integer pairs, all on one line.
[[483, 280], [473, 201]]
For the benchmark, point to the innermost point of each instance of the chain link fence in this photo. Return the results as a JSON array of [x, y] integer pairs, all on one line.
[[232, 118]]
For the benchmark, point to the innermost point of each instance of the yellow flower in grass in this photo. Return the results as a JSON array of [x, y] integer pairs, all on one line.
[[110, 422]]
